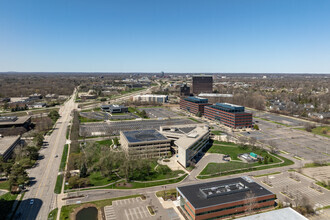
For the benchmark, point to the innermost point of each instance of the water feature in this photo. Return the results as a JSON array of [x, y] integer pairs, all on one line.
[[89, 213]]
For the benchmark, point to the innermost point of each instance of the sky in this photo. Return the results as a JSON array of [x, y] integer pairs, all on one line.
[[220, 36]]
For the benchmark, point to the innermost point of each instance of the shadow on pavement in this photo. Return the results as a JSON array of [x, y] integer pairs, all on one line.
[[28, 209]]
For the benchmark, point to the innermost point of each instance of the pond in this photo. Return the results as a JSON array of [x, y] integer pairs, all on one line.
[[89, 213]]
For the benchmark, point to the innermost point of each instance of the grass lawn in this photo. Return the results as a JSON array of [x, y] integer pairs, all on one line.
[[68, 209], [267, 174], [315, 165], [233, 150], [321, 129], [6, 202], [131, 90], [105, 142], [53, 214], [216, 132], [275, 122], [195, 120], [58, 185], [213, 169], [97, 179], [168, 192], [85, 120], [324, 185], [4, 185], [64, 156], [67, 132]]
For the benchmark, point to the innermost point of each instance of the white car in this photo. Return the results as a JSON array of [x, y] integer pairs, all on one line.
[[31, 201]]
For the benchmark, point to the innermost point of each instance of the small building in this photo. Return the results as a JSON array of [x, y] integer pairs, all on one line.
[[151, 98], [224, 198], [321, 115], [38, 105], [144, 143], [231, 115], [35, 96], [193, 104], [7, 145], [14, 121], [114, 108]]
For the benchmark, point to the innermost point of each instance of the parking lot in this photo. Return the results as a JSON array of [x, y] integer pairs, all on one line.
[[95, 115], [113, 128], [159, 113], [297, 142], [283, 182], [136, 208]]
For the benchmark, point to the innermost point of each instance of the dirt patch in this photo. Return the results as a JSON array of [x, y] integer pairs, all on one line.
[[319, 173], [127, 185], [74, 213]]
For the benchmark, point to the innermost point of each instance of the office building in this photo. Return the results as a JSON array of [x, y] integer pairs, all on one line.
[[233, 116], [114, 108], [202, 84], [224, 198], [7, 146], [193, 104], [150, 98], [184, 90], [14, 121], [144, 143], [216, 97]]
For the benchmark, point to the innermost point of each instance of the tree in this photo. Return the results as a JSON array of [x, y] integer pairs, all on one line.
[[54, 115], [271, 160], [38, 139], [33, 153], [199, 114], [17, 176], [250, 202], [83, 171], [256, 127]]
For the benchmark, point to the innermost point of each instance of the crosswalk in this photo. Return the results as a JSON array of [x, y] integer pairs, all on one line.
[[109, 213], [137, 213], [126, 201]]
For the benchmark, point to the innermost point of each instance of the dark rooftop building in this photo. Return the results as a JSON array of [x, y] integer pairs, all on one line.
[[224, 198], [184, 90], [114, 108], [143, 135], [202, 84], [193, 104]]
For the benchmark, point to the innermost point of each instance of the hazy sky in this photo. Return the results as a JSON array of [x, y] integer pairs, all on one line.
[[165, 35]]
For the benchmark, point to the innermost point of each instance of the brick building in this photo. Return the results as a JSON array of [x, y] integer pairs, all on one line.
[[233, 116], [224, 198], [202, 84], [193, 104]]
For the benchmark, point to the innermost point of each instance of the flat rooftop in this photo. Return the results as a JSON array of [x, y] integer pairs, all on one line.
[[192, 135], [285, 213], [17, 121], [196, 99], [143, 136], [221, 192], [6, 143]]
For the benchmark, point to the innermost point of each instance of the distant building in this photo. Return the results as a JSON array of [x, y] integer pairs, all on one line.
[[231, 115], [38, 105], [151, 98], [7, 145], [193, 104], [216, 97], [184, 90], [35, 96], [189, 140], [144, 143], [202, 84], [321, 115], [14, 121], [114, 108], [224, 198]]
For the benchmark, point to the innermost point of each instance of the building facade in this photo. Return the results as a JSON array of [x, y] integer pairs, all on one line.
[[7, 146], [193, 104], [150, 98], [202, 84], [144, 143], [233, 116], [114, 108], [224, 198]]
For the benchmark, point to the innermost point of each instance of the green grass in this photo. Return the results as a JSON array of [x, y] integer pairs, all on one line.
[[86, 120], [267, 174], [275, 122], [58, 185], [105, 142], [67, 210], [64, 156], [4, 185], [232, 149], [319, 131], [195, 120], [96, 179], [214, 169], [6, 202], [53, 214], [323, 185], [216, 132], [316, 165], [168, 192], [67, 132]]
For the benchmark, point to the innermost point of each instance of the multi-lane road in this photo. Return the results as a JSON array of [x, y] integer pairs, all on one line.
[[40, 198]]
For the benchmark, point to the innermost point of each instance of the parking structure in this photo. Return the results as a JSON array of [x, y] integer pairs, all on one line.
[[113, 128], [159, 113]]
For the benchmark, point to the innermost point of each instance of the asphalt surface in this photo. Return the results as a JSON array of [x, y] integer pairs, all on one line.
[[43, 176]]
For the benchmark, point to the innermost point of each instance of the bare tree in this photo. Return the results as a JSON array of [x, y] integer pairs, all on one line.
[[250, 202]]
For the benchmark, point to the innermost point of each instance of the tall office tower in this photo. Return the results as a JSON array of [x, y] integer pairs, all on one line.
[[202, 84]]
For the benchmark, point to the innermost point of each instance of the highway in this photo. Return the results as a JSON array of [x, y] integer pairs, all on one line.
[[43, 176]]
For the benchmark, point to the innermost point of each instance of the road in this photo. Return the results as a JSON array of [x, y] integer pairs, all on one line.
[[43, 176]]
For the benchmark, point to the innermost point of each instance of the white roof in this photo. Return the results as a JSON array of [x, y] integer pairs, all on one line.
[[152, 95], [279, 214], [186, 140], [215, 95]]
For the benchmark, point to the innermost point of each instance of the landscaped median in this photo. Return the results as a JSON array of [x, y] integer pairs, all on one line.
[[59, 180], [238, 166], [68, 210]]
